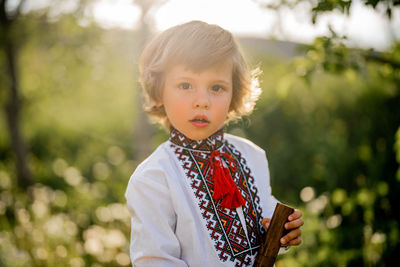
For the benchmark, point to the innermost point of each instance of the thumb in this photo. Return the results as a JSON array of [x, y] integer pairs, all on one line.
[[265, 222]]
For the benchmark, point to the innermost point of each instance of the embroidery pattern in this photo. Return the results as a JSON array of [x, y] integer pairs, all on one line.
[[224, 226]]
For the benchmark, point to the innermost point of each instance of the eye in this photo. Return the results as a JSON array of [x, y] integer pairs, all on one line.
[[185, 86], [217, 88]]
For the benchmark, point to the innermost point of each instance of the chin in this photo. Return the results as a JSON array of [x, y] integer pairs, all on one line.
[[197, 136]]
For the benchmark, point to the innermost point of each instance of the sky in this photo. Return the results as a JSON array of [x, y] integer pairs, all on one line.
[[364, 28]]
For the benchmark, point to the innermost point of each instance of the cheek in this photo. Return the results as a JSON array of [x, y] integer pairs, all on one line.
[[225, 106], [174, 107]]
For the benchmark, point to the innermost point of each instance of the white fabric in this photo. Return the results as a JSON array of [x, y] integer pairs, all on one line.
[[167, 227]]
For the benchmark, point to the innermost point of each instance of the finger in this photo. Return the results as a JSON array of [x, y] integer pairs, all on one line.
[[265, 222], [291, 236], [295, 215], [294, 224], [294, 242]]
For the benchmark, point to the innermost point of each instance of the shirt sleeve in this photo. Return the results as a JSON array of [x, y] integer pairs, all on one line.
[[271, 201], [268, 200], [153, 221]]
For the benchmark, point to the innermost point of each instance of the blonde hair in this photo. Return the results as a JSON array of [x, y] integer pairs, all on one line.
[[197, 45]]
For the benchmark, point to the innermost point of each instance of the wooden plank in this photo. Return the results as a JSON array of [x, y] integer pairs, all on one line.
[[271, 244]]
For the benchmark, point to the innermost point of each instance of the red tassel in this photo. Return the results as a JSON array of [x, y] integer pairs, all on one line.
[[224, 186]]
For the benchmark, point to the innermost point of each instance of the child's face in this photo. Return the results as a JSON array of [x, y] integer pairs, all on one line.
[[197, 104]]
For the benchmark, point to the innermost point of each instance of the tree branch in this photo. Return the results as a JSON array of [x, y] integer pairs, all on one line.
[[13, 104], [3, 14], [377, 57], [18, 10]]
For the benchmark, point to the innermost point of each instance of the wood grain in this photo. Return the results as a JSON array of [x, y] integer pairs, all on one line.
[[271, 244]]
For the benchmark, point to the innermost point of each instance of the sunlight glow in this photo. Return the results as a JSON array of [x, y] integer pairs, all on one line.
[[116, 13], [239, 16], [365, 27]]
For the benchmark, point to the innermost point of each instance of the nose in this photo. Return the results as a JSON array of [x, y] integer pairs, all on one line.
[[202, 100]]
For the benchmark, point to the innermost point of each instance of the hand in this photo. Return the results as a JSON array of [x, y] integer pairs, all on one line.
[[293, 238]]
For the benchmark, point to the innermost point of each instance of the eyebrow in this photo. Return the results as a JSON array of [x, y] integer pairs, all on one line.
[[223, 81], [214, 81]]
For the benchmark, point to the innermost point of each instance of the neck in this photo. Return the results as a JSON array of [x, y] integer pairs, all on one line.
[[211, 143]]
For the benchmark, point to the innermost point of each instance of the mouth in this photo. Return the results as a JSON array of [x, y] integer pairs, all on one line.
[[200, 121]]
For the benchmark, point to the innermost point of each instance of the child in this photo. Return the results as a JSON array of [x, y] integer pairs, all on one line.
[[203, 197]]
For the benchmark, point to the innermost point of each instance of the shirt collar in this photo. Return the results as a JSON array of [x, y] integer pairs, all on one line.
[[211, 143]]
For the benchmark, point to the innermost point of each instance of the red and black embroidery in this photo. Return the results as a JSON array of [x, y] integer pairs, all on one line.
[[230, 239]]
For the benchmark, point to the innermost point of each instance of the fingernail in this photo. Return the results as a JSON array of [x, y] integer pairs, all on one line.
[[283, 241], [290, 218], [267, 224]]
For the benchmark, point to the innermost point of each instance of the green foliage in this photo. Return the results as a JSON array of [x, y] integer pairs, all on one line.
[[330, 5], [344, 6], [328, 123], [318, 7], [397, 148], [78, 89]]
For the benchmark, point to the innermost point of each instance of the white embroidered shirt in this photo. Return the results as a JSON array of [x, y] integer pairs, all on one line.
[[175, 220]]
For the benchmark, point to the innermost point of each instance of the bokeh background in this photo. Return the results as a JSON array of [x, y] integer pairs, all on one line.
[[72, 130]]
